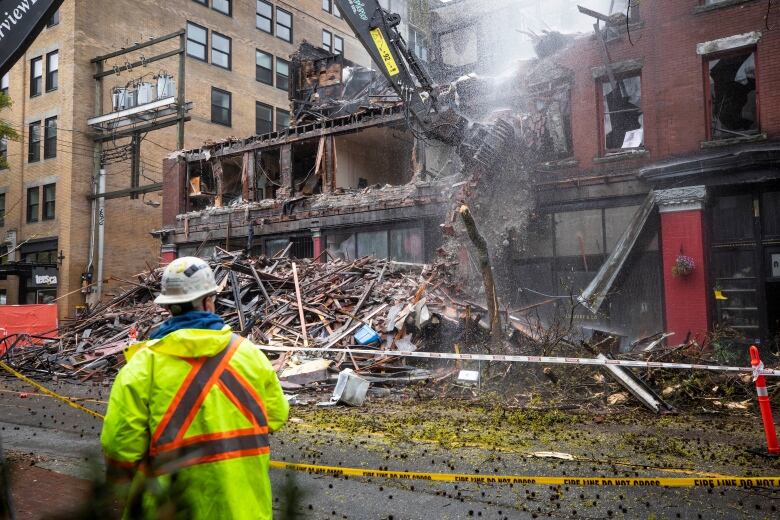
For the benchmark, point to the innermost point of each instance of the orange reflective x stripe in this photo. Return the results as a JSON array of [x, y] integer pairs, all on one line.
[[169, 450]]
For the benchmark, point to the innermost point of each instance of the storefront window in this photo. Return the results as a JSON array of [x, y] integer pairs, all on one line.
[[372, 243], [406, 245]]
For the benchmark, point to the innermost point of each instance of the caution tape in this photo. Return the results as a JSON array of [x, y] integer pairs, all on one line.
[[545, 360], [50, 393], [335, 471]]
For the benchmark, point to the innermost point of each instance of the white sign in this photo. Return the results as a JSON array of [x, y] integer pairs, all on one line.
[[45, 279]]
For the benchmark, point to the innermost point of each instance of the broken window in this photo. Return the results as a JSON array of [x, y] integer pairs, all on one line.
[[732, 95], [628, 8], [623, 120]]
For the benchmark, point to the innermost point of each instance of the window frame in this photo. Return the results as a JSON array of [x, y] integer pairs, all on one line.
[[230, 8], [706, 59], [4, 152], [270, 20], [229, 53], [330, 6], [286, 77], [52, 76], [205, 44], [34, 146], [259, 67], [329, 46], [277, 111], [5, 79], [36, 81], [337, 51], [49, 153], [229, 109], [202, 2], [260, 104], [602, 113], [33, 215], [54, 20], [47, 204], [2, 209], [279, 24]]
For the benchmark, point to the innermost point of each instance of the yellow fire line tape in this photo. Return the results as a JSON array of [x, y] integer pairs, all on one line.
[[49, 392], [771, 482]]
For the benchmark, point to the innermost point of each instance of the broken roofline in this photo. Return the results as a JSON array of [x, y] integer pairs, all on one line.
[[370, 117]]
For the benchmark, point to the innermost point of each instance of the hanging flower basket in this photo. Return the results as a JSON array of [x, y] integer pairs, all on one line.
[[683, 266]]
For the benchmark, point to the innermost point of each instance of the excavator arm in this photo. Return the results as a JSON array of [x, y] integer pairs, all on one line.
[[377, 30]]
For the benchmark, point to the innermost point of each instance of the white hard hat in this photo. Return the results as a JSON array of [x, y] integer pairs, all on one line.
[[185, 280]]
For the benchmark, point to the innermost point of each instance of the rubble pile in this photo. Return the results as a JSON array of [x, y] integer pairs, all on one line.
[[362, 303]]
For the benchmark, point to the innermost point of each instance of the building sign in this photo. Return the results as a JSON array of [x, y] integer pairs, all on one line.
[[44, 277], [20, 23]]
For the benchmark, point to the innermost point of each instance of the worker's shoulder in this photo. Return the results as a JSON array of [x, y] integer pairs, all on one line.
[[248, 350]]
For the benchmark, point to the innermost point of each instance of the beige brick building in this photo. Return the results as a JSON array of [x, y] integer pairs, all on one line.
[[235, 78]]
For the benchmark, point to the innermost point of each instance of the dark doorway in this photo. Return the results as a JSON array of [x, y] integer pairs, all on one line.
[[773, 314]]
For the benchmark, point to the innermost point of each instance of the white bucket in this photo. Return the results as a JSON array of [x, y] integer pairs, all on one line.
[[350, 388]]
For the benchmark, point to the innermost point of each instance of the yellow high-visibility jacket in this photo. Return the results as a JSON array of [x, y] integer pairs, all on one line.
[[188, 421]]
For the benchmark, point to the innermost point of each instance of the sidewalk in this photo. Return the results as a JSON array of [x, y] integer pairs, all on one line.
[[39, 493]]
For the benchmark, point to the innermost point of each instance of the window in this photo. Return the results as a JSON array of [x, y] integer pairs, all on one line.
[[50, 138], [49, 200], [418, 43], [33, 201], [34, 142], [282, 119], [623, 7], [265, 16], [732, 97], [372, 243], [5, 83], [54, 20], [284, 25], [338, 45], [202, 2], [264, 67], [223, 6], [327, 41], [220, 106], [3, 153], [623, 121], [36, 76], [2, 209], [282, 74], [330, 6], [52, 70], [264, 119], [220, 50], [197, 38]]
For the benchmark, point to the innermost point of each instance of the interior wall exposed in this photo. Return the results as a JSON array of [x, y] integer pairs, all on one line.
[[374, 156]]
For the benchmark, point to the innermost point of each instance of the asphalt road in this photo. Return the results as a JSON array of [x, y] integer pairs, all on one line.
[[65, 440]]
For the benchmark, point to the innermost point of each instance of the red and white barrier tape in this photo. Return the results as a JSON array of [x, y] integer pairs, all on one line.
[[545, 360]]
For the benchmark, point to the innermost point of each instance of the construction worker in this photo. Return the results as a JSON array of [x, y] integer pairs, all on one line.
[[186, 431]]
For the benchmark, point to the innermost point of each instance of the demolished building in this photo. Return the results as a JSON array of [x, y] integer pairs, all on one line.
[[622, 182]]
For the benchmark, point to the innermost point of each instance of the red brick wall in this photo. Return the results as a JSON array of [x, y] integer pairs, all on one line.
[[672, 77], [685, 298]]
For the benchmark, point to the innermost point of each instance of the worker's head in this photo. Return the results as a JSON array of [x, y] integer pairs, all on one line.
[[187, 284]]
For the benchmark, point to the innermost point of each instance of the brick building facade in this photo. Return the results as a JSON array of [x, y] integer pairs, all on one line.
[[236, 74]]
